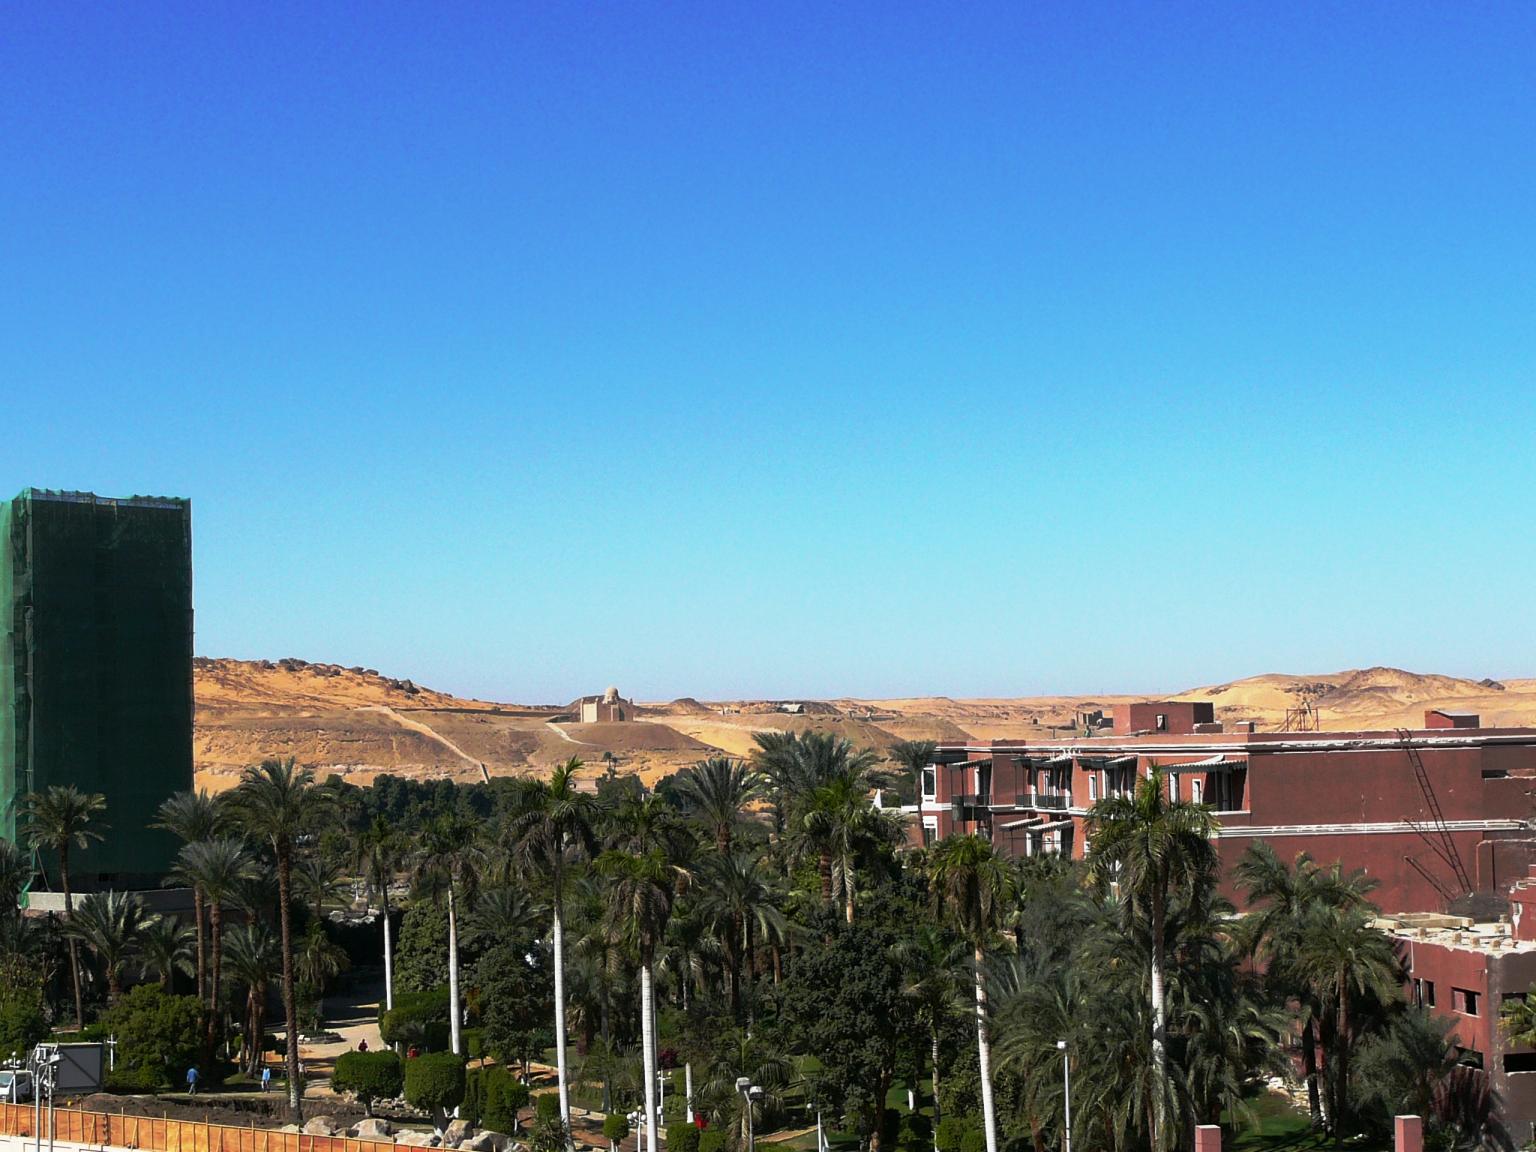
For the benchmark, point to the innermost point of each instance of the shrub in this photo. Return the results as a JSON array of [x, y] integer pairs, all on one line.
[[973, 1141], [952, 1133], [418, 1019], [683, 1138], [547, 1106], [712, 1140], [369, 1076], [616, 1127], [158, 1036], [505, 1094], [22, 1023], [434, 1082]]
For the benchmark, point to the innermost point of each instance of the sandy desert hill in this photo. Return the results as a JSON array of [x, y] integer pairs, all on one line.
[[359, 724]]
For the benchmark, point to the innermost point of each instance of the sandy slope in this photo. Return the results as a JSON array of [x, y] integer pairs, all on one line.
[[360, 724]]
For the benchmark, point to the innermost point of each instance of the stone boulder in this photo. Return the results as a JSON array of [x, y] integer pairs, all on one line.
[[373, 1128], [484, 1142], [324, 1126], [456, 1131], [417, 1139]]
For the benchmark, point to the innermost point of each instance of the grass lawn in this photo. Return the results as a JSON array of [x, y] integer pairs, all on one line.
[[1283, 1127]]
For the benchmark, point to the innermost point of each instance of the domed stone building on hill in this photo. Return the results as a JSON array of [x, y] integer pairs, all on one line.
[[608, 708]]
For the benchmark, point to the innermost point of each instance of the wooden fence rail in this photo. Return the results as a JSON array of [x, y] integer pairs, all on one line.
[[164, 1135]]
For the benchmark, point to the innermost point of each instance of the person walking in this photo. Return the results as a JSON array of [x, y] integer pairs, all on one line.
[[266, 1077], [192, 1080]]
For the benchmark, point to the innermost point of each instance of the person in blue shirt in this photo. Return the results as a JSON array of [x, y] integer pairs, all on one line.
[[192, 1080], [266, 1076]]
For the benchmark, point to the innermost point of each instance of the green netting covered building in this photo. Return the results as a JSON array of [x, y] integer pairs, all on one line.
[[96, 668]]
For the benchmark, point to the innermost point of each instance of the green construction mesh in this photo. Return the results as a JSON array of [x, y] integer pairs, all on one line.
[[96, 674]]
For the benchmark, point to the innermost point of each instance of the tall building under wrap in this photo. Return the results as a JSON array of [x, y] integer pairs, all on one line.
[[96, 668]]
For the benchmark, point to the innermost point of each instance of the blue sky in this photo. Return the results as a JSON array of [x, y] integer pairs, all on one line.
[[793, 349]]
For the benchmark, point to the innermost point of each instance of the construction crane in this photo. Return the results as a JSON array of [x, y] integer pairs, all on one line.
[[1441, 842]]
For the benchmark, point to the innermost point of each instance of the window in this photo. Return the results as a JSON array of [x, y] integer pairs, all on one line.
[[1195, 789], [1173, 786], [1520, 1062], [1464, 1000], [1162, 722], [930, 782], [1429, 994], [1093, 787], [930, 830], [1471, 1057], [1418, 992]]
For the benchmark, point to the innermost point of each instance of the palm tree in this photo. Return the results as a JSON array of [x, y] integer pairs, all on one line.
[[111, 925], [251, 953], [192, 817], [58, 817], [932, 959], [318, 961], [277, 802], [970, 885], [642, 891], [1150, 845], [717, 791], [914, 756], [380, 857], [166, 949], [556, 825], [218, 867], [507, 913], [319, 877], [740, 907], [839, 826], [16, 873], [447, 865], [1280, 901], [1343, 958]]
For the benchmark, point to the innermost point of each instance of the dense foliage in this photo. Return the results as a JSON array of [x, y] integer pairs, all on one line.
[[369, 1076]]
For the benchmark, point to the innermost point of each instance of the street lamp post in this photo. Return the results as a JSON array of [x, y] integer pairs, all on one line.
[[1066, 1085], [749, 1092]]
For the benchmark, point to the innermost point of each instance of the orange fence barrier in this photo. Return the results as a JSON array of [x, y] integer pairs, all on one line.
[[163, 1135]]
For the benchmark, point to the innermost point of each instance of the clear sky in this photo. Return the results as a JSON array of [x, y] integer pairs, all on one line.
[[793, 349]]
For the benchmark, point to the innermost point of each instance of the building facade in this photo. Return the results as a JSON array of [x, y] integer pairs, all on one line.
[[1431, 814], [96, 668], [609, 708]]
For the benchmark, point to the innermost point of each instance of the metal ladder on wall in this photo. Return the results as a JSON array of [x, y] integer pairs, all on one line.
[[1442, 843]]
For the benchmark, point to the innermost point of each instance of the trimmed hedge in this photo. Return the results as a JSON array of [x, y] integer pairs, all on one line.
[[419, 1019], [492, 1097], [434, 1082], [369, 1076]]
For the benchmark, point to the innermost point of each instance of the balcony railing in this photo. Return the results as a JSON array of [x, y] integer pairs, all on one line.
[[1055, 801]]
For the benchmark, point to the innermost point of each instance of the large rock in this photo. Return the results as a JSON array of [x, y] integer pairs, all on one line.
[[483, 1142], [291, 1128], [457, 1130], [373, 1128], [323, 1126], [417, 1139]]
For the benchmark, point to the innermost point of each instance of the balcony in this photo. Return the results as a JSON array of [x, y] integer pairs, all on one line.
[[1053, 801]]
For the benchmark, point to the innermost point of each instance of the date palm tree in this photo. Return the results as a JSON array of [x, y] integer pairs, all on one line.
[[1343, 958], [111, 925], [319, 878], [251, 951], [717, 792], [379, 859], [219, 867], [735, 900], [59, 817], [971, 888], [933, 960], [840, 825], [1281, 900], [447, 867], [166, 949], [1148, 846], [642, 888], [278, 802], [914, 756], [554, 828], [193, 817]]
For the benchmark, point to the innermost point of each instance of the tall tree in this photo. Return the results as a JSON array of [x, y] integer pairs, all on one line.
[[642, 888], [741, 908], [1281, 901], [277, 802], [971, 886], [251, 952], [58, 818], [379, 859], [111, 925], [932, 960], [717, 792], [555, 827], [193, 817], [839, 825], [1148, 845], [166, 949], [447, 867], [1345, 959], [219, 868], [914, 756]]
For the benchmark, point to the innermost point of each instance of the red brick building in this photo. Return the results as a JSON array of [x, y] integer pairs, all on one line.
[[1429, 813]]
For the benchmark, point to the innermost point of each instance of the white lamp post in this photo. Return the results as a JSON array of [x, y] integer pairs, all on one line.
[[1066, 1084]]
